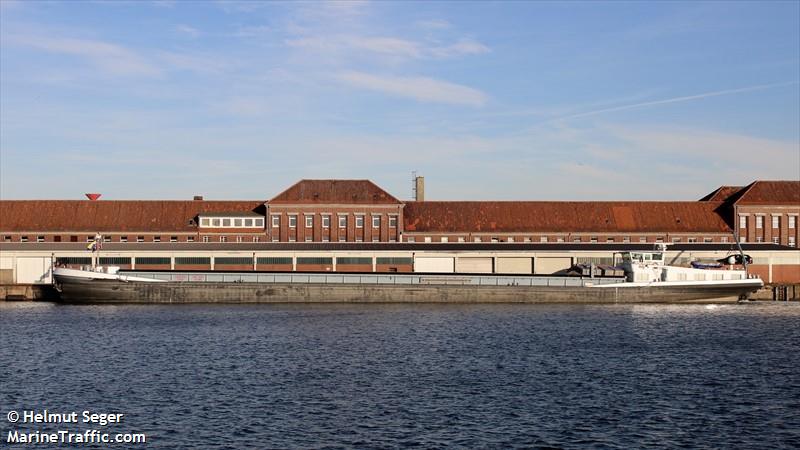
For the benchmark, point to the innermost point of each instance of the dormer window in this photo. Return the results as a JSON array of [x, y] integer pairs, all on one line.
[[231, 220]]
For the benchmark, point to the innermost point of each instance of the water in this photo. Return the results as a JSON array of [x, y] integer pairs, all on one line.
[[377, 376]]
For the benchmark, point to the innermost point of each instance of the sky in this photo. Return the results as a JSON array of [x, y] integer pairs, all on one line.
[[486, 100]]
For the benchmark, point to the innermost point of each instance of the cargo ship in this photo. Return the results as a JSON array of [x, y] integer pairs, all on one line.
[[643, 277]]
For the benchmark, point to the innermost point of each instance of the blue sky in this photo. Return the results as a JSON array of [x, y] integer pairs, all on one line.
[[487, 100]]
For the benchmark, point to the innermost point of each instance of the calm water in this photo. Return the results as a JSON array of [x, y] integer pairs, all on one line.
[[377, 376]]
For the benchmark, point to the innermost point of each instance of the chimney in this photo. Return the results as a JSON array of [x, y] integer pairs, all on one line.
[[198, 197], [93, 197], [419, 189]]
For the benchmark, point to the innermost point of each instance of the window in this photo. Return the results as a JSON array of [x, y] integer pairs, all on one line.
[[642, 239], [691, 240], [204, 222], [359, 221], [742, 239], [392, 221], [88, 238], [626, 239], [238, 222], [742, 221], [23, 239], [215, 222], [39, 238], [226, 222], [560, 239], [723, 239], [248, 223], [190, 239], [326, 221], [494, 239], [510, 239], [6, 238], [173, 238], [259, 223], [223, 239], [461, 239], [708, 240], [292, 221], [139, 238], [342, 221], [444, 239], [309, 238], [309, 221], [427, 238], [376, 221], [791, 241], [205, 238], [276, 221], [660, 239], [577, 239], [759, 221], [610, 239], [776, 222], [123, 238], [106, 238], [759, 239], [156, 238], [676, 239], [411, 239], [526, 239], [792, 221], [593, 240], [775, 240]]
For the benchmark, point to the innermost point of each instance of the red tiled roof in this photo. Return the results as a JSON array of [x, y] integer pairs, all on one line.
[[721, 194], [334, 191], [771, 193], [110, 215], [563, 217]]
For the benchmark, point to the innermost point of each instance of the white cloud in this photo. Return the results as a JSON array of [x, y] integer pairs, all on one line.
[[188, 31], [433, 24], [110, 58], [420, 88], [462, 47]]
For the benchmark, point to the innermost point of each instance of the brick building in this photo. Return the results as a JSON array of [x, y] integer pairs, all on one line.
[[353, 211]]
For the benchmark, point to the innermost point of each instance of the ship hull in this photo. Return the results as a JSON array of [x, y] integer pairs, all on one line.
[[76, 290]]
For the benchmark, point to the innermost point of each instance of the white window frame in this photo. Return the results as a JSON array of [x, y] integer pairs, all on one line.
[[376, 221], [309, 221], [759, 222], [206, 239], [427, 239], [343, 221], [742, 222], [326, 221], [776, 222], [392, 221], [444, 239], [276, 221], [292, 220], [360, 219], [792, 222]]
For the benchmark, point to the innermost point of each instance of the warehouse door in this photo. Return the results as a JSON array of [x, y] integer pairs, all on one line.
[[33, 270], [515, 265], [474, 265], [546, 265], [433, 264]]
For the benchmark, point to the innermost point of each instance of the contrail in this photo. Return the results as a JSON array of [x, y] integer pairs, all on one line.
[[677, 99]]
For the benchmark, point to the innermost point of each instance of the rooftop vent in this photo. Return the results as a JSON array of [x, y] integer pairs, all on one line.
[[93, 197], [198, 197]]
